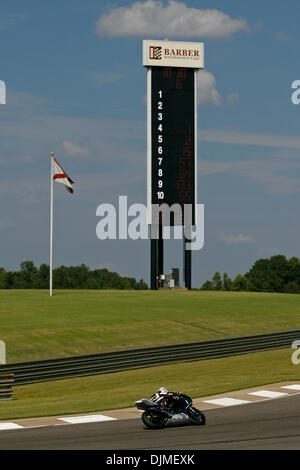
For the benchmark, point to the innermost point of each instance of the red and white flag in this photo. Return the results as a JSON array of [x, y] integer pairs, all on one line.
[[60, 176]]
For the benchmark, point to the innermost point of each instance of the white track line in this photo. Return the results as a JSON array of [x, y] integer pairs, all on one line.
[[86, 419], [291, 387], [267, 394], [5, 426], [226, 401]]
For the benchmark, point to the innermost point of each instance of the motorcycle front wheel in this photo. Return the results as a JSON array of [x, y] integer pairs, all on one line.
[[153, 422], [196, 416]]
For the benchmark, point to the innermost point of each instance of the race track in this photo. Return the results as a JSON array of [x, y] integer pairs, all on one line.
[[271, 424]]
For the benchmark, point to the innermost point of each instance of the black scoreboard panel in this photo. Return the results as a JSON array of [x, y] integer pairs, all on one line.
[[173, 137]]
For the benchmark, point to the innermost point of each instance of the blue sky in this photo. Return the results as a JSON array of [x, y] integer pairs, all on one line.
[[76, 86]]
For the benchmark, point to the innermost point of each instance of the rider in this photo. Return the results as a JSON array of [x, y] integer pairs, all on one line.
[[170, 400]]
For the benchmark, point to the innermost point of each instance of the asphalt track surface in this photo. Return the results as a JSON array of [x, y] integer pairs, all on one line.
[[266, 425]]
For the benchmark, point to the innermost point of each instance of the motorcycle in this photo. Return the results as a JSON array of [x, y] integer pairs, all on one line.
[[157, 416]]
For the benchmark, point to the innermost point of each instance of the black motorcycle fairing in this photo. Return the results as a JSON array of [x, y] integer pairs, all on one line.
[[177, 403]]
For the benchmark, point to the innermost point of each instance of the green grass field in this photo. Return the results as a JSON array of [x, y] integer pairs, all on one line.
[[35, 326], [122, 389]]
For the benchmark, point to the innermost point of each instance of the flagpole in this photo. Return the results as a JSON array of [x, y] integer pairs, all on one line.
[[51, 221]]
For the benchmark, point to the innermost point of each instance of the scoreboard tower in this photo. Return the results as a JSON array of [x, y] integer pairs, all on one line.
[[171, 141]]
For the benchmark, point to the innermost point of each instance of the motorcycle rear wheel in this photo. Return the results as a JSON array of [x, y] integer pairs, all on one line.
[[196, 416], [152, 423]]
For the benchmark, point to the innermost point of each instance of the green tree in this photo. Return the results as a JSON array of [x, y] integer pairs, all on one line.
[[270, 275], [208, 285], [141, 285], [227, 282], [294, 270], [240, 283], [217, 281], [9, 280], [28, 275], [62, 278], [72, 277], [292, 288], [2, 278]]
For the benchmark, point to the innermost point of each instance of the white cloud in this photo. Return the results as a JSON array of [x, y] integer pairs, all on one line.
[[43, 124], [24, 191], [276, 183], [152, 18], [282, 37], [106, 78], [73, 150], [248, 138], [269, 173], [207, 93], [240, 238], [21, 104], [16, 159]]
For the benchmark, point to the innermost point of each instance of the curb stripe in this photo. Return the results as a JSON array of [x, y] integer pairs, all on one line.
[[86, 419], [7, 425], [292, 387], [267, 394], [226, 401]]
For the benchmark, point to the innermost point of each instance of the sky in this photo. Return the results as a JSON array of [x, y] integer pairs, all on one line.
[[75, 85]]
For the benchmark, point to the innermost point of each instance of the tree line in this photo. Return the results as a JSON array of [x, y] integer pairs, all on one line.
[[275, 274], [74, 277]]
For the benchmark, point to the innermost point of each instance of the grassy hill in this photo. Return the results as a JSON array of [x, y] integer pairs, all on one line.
[[74, 322], [35, 326]]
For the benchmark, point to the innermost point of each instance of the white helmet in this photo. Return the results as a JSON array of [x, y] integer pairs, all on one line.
[[161, 392]]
